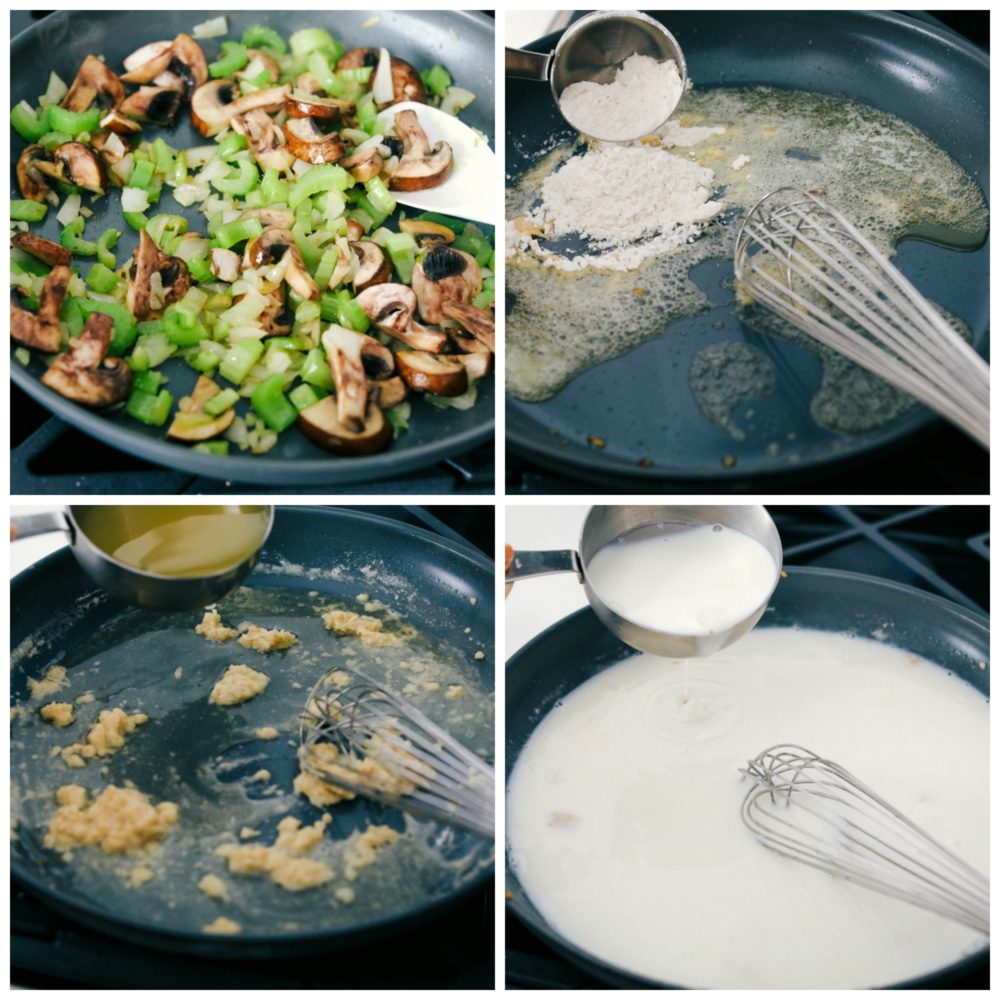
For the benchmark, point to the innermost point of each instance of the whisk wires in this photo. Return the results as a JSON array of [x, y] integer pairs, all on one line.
[[364, 738], [814, 811], [805, 261]]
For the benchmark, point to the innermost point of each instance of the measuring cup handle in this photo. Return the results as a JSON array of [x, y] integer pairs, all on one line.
[[527, 564], [527, 65], [38, 524]]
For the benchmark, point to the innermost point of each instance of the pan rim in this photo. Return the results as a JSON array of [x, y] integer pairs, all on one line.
[[617, 974], [196, 942]]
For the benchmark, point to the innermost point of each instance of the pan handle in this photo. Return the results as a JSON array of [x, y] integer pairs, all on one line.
[[527, 564], [527, 65], [38, 524]]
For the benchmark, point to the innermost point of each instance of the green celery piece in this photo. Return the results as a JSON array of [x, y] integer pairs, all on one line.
[[70, 239], [246, 179], [149, 409], [73, 122], [23, 210], [274, 189], [142, 174], [233, 58], [51, 140], [221, 402], [231, 145], [473, 241], [237, 231], [303, 396], [259, 36], [30, 125], [72, 315], [349, 313], [137, 220], [102, 279], [125, 330], [310, 39], [402, 249], [105, 242], [138, 360], [380, 196], [200, 269], [147, 381], [437, 80], [212, 447], [156, 346], [457, 226], [239, 359], [23, 263], [316, 370], [271, 404], [367, 116], [203, 361], [325, 268], [326, 177], [162, 227]]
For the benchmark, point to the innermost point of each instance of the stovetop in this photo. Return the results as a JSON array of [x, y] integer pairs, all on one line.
[[454, 951], [943, 550]]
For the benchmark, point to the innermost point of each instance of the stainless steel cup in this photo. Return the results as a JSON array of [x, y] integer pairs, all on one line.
[[606, 524], [593, 48], [133, 586]]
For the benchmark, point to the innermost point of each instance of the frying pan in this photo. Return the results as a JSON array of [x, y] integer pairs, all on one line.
[[572, 651], [128, 657], [640, 403], [460, 40]]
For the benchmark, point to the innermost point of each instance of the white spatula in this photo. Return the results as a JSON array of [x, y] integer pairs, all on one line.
[[469, 191]]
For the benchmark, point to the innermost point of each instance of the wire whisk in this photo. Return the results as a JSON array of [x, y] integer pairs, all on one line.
[[365, 739], [814, 811], [805, 261]]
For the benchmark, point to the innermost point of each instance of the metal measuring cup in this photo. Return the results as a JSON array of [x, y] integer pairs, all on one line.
[[593, 48], [606, 524], [152, 591]]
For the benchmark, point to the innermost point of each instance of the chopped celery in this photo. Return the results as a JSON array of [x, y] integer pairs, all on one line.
[[73, 122], [271, 404], [274, 190], [367, 114], [221, 402], [203, 361], [138, 360], [125, 330], [246, 179], [105, 242], [135, 219], [316, 370], [327, 263], [149, 409], [231, 145], [325, 177], [22, 210], [455, 225], [340, 307], [474, 242], [357, 74], [142, 174], [155, 346], [402, 249], [399, 417], [259, 36], [182, 328], [239, 359], [102, 279], [437, 80], [147, 381], [200, 269], [233, 58], [231, 233], [310, 39], [163, 229], [484, 299], [212, 447], [72, 315], [51, 140], [70, 239], [28, 123], [380, 196], [303, 396]]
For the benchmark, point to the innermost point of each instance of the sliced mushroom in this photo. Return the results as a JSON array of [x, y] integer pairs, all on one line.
[[111, 152], [171, 81], [365, 165], [308, 84], [442, 275], [77, 164], [343, 352], [216, 103], [191, 422], [273, 215], [183, 57], [373, 266], [84, 373], [439, 374], [390, 307], [390, 392], [406, 82], [158, 105], [377, 360], [115, 121], [272, 246], [29, 178], [265, 139], [277, 320], [93, 81], [319, 423], [425, 231], [479, 322], [41, 330], [478, 364], [146, 62], [420, 166], [189, 62], [45, 250], [225, 265], [325, 109], [308, 143], [175, 279]]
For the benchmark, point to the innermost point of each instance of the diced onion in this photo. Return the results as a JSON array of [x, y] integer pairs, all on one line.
[[197, 155], [375, 140], [253, 69], [134, 200], [188, 194], [355, 136], [382, 81], [212, 28], [191, 248], [70, 209], [456, 98], [124, 167], [114, 145], [300, 167], [56, 89]]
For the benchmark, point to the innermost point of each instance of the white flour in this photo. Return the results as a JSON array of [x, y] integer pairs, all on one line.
[[641, 98]]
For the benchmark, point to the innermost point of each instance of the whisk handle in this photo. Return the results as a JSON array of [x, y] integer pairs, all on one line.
[[525, 564]]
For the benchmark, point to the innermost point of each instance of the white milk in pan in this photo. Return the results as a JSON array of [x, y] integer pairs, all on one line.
[[624, 812], [682, 579]]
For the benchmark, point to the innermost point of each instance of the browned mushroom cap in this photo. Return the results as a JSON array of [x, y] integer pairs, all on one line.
[[324, 109], [45, 250], [442, 275], [30, 180], [191, 422], [377, 360], [308, 143], [225, 265], [277, 320], [390, 307], [93, 80], [478, 364], [365, 165], [158, 105], [390, 392], [41, 331], [319, 423], [273, 215], [216, 103], [189, 62], [406, 82], [174, 278], [273, 245], [420, 166], [147, 62], [265, 139], [77, 164], [115, 121], [343, 352], [373, 266], [479, 322], [182, 57], [425, 231], [84, 373], [439, 374]]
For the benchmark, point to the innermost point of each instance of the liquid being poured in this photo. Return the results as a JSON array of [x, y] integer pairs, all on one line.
[[684, 580], [176, 541]]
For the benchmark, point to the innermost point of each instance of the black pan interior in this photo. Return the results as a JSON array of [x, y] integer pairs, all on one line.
[[579, 647], [462, 41], [313, 556], [640, 404]]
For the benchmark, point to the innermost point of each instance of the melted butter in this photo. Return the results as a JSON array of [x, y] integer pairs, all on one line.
[[884, 174]]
